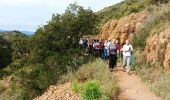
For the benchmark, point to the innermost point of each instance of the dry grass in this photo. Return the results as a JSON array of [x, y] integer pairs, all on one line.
[[95, 71], [154, 74]]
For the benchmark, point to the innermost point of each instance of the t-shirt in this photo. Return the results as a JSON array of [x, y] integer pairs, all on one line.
[[85, 42], [127, 50], [113, 49], [97, 46], [107, 44], [81, 41]]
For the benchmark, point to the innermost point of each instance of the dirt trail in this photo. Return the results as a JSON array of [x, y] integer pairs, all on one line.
[[132, 88]]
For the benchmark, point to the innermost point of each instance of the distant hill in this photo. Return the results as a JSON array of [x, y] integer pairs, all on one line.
[[29, 33]]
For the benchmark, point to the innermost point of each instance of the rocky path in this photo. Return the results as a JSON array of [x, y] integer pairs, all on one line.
[[132, 88]]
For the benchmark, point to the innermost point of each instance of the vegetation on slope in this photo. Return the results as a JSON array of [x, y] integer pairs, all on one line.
[[154, 74], [38, 61], [120, 10], [5, 54], [158, 19], [93, 81], [124, 8]]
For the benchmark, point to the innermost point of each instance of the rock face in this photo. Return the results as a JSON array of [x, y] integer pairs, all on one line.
[[157, 49], [61, 92], [124, 28]]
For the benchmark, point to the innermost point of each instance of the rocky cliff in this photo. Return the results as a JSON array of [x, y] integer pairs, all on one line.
[[157, 49], [124, 28]]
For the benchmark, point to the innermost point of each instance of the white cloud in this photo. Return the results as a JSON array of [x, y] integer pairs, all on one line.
[[28, 14]]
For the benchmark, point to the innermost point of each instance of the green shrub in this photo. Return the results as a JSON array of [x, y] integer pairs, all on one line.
[[92, 71], [91, 90], [76, 87]]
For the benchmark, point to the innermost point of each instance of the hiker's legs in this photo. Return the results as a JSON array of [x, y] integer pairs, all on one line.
[[128, 64], [105, 54], [124, 61], [98, 52], [114, 60], [111, 61]]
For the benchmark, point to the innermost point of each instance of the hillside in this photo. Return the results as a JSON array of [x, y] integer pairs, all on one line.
[[40, 60], [148, 31], [123, 28], [51, 61], [23, 32], [121, 9]]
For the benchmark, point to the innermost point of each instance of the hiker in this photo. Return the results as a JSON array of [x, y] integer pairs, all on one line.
[[108, 44], [97, 48], [112, 55], [85, 43], [105, 54], [101, 46], [81, 42], [127, 49], [106, 49], [90, 46]]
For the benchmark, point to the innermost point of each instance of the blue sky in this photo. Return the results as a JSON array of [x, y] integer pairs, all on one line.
[[27, 15]]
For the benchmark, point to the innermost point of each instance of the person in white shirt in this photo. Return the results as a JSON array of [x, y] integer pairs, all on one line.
[[127, 49], [108, 45], [81, 41]]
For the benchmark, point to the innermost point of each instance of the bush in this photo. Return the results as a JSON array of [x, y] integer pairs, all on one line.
[[91, 72], [76, 87], [91, 90]]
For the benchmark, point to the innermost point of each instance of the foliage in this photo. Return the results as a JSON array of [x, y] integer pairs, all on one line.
[[76, 87], [5, 55], [91, 72], [153, 25], [40, 60], [20, 46], [91, 91], [122, 9]]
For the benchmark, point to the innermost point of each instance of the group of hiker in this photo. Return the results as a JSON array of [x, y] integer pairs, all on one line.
[[110, 50]]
